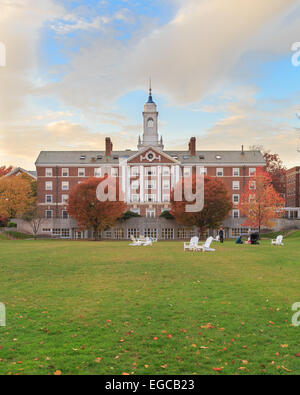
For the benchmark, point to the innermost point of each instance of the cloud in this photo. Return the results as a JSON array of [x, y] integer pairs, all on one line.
[[187, 58]]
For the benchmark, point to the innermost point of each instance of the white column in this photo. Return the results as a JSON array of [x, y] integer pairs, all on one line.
[[159, 184], [141, 184], [177, 174]]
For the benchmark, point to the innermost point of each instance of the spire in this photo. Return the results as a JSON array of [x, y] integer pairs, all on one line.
[[150, 100]]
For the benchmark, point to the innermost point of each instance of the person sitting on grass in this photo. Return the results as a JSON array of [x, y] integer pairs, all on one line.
[[239, 240]]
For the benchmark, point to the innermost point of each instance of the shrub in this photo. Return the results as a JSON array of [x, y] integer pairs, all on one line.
[[166, 214], [11, 225]]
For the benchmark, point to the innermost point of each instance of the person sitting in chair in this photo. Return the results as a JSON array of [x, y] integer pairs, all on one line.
[[239, 240]]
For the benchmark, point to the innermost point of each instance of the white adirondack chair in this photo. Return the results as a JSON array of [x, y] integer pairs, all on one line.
[[135, 242], [148, 242], [278, 241], [217, 238], [206, 245], [192, 245]]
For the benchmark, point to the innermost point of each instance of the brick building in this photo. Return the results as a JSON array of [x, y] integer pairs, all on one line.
[[152, 173]]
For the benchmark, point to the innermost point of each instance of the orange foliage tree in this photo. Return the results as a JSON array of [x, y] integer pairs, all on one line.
[[260, 203], [217, 205], [91, 213], [15, 196], [5, 170]]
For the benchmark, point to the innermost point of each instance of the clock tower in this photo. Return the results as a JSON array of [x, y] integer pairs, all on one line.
[[150, 127]]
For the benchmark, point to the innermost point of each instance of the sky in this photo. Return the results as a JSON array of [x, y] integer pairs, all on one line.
[[224, 71]]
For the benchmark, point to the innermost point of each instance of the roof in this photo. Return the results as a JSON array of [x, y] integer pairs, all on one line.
[[98, 157], [17, 170]]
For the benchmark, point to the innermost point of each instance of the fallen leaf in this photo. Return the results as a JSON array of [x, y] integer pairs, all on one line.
[[57, 373]]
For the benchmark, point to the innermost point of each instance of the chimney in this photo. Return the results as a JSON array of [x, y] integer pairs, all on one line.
[[192, 146], [108, 146]]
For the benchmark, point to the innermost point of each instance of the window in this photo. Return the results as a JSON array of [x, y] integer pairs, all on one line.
[[220, 172], [114, 172], [150, 171], [203, 171], [166, 171], [135, 171], [236, 185], [49, 185], [133, 232], [150, 184], [107, 234], [239, 231], [81, 172], [236, 172], [48, 199], [167, 233], [135, 184], [97, 172], [252, 185], [181, 233], [150, 123], [218, 157], [150, 213], [99, 157], [48, 172], [135, 198], [151, 233], [186, 171], [235, 213], [150, 198], [64, 214], [166, 184], [185, 157], [82, 157], [119, 233], [166, 198], [64, 198], [65, 233], [47, 230], [56, 232], [65, 185], [252, 171], [236, 199], [49, 214], [65, 172]]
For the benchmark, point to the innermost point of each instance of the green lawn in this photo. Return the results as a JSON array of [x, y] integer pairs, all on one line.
[[107, 308]]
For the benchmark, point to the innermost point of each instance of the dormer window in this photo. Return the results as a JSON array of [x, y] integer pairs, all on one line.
[[218, 157], [82, 157]]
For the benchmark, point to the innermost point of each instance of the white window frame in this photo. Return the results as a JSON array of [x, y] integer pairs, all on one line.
[[166, 172], [166, 198], [153, 197], [51, 199], [236, 185], [65, 172], [62, 214], [135, 171], [151, 184], [166, 184], [48, 211], [114, 172], [135, 198], [186, 172], [252, 170], [235, 212], [49, 172], [204, 171], [233, 198], [221, 171], [81, 172], [48, 185], [135, 184], [97, 172], [152, 170], [236, 172], [64, 198], [65, 186]]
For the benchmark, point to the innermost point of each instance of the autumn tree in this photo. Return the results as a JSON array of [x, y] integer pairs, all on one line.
[[275, 168], [217, 205], [5, 170], [89, 211], [15, 197], [260, 203]]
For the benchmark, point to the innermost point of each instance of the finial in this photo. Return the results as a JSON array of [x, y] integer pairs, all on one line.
[[150, 100]]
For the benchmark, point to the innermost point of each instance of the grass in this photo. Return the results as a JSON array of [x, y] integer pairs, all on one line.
[[107, 308]]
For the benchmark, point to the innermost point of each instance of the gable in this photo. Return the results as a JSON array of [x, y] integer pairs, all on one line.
[[151, 155]]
